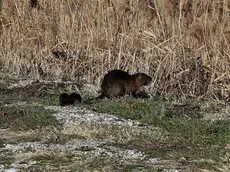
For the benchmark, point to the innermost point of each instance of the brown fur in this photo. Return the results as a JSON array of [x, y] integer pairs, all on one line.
[[34, 3], [66, 99], [117, 83]]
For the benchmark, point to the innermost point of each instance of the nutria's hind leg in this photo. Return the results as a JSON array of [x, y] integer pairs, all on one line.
[[104, 94]]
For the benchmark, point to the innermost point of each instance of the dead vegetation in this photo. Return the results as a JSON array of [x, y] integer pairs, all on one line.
[[183, 45]]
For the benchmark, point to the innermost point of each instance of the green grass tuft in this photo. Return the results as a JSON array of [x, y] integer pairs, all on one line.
[[193, 138], [153, 113], [26, 117]]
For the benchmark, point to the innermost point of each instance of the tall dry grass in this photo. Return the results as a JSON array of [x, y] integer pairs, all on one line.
[[182, 44]]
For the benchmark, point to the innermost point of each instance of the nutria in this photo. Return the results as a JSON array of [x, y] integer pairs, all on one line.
[[66, 99], [117, 83]]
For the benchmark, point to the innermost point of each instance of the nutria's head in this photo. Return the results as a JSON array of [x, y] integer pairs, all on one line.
[[142, 79]]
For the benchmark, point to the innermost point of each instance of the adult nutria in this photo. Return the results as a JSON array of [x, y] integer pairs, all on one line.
[[66, 99], [117, 83]]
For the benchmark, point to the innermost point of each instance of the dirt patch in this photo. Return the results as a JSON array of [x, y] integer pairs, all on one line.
[[88, 140], [30, 90], [90, 126]]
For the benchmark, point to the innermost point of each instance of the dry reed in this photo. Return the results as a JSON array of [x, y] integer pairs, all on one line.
[[182, 44]]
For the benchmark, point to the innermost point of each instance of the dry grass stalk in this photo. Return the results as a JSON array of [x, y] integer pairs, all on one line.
[[97, 36]]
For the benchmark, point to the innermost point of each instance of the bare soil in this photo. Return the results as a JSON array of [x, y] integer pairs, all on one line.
[[84, 140]]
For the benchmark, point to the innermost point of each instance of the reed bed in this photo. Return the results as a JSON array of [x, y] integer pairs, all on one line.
[[182, 44]]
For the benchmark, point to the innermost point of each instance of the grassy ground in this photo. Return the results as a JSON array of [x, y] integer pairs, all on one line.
[[26, 117], [181, 138], [189, 138], [183, 45]]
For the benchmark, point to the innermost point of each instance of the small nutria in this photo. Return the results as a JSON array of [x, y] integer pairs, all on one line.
[[66, 99], [117, 83]]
